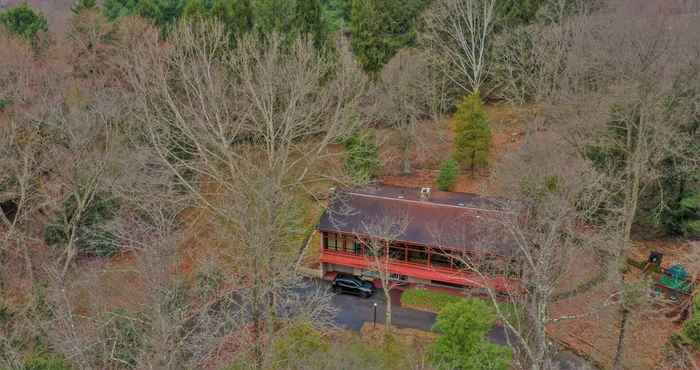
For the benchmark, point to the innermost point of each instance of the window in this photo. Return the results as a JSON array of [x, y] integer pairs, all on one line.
[[417, 255], [397, 253], [341, 242], [375, 249], [356, 247], [439, 260], [459, 264], [330, 241]]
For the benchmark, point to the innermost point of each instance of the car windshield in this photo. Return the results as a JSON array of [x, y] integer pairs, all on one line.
[[367, 284]]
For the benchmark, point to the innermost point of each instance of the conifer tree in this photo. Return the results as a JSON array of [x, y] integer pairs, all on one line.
[[472, 133]]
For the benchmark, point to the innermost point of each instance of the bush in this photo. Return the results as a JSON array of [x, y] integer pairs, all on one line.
[[24, 21], [297, 345], [91, 238], [448, 175], [362, 160], [472, 133], [124, 336], [46, 362], [691, 328], [463, 344]]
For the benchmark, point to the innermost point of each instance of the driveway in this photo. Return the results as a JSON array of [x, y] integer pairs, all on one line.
[[354, 311]]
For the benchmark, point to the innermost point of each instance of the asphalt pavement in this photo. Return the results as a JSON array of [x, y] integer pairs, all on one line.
[[354, 311]]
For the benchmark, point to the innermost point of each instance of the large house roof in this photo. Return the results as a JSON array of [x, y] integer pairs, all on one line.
[[458, 221]]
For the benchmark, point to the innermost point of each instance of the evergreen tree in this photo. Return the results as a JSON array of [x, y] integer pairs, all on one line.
[[275, 16], [24, 21], [310, 21], [114, 9], [362, 160], [336, 13], [162, 12], [380, 28], [472, 133], [80, 5], [448, 175], [463, 345], [517, 12], [237, 15], [197, 9]]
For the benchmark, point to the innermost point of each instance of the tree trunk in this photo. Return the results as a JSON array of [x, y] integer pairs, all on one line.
[[406, 165], [617, 364], [387, 312], [28, 263], [406, 156], [631, 202]]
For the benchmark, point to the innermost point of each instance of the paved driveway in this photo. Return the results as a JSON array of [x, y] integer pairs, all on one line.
[[354, 311]]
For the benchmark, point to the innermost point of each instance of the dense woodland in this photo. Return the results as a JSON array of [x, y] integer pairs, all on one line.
[[148, 119]]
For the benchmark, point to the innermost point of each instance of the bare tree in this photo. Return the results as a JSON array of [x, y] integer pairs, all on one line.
[[243, 131], [638, 90], [461, 31], [400, 98], [529, 60], [377, 236]]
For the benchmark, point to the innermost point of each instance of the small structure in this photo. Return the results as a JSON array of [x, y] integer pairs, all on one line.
[[442, 230]]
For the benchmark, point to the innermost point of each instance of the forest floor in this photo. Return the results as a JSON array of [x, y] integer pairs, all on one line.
[[651, 325]]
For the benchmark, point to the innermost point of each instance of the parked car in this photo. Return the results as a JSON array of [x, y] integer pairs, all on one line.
[[344, 283]]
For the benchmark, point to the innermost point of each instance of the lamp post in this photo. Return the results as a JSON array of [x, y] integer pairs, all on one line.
[[374, 325]]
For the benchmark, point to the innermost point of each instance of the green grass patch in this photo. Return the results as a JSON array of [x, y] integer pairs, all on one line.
[[427, 299], [433, 301]]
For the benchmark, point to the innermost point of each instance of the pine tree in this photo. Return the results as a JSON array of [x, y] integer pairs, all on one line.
[[472, 133], [310, 21], [380, 28], [448, 175]]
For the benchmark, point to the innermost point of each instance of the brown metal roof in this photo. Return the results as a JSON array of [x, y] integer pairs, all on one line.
[[460, 221]]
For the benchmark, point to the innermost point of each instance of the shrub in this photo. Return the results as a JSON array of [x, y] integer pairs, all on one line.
[[80, 5], [691, 328], [472, 133], [463, 344], [124, 336], [24, 21], [5, 314], [91, 237], [300, 342], [46, 362], [448, 175], [362, 160]]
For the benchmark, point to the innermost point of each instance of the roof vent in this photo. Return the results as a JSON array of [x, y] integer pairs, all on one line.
[[425, 193]]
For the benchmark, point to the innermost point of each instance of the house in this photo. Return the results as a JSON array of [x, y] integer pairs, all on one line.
[[439, 231]]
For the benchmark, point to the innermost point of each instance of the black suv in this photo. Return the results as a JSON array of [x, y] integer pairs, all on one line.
[[344, 283]]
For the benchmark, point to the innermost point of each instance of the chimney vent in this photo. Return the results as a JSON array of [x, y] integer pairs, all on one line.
[[425, 193]]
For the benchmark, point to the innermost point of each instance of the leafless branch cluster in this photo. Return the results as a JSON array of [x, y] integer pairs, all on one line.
[[460, 32]]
